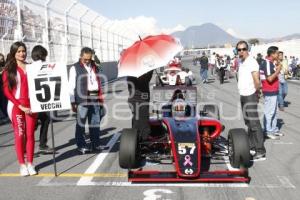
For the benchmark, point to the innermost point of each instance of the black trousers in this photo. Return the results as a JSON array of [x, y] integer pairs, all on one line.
[[221, 75], [251, 118], [45, 120]]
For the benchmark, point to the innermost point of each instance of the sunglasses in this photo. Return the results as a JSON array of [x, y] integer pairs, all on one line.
[[243, 49]]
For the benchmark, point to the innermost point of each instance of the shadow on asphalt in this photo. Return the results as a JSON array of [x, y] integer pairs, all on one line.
[[280, 123], [74, 152]]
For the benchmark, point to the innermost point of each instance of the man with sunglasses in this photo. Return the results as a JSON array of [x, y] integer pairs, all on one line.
[[249, 86]]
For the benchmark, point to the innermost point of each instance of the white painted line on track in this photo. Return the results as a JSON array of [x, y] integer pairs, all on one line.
[[284, 184], [129, 184], [208, 185], [98, 161], [283, 143]]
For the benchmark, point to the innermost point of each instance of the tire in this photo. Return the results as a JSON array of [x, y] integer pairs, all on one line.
[[129, 152], [212, 111], [239, 148]]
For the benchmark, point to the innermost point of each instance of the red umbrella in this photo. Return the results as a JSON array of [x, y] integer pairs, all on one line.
[[147, 54]]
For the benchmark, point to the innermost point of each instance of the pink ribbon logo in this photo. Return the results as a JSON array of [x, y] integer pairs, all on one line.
[[187, 159]]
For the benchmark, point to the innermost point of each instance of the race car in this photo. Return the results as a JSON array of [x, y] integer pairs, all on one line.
[[184, 139], [173, 75]]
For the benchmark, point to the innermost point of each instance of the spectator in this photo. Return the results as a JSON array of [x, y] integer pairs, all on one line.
[[294, 66], [39, 54], [283, 87], [212, 63], [3, 100], [86, 99], [221, 65], [203, 67], [2, 62], [23, 120], [259, 58], [249, 85], [235, 66], [270, 87]]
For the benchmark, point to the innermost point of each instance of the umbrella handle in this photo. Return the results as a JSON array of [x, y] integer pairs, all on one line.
[[140, 38], [162, 84]]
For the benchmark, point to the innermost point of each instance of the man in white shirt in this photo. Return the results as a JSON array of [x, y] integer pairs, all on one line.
[[86, 98], [212, 63], [249, 85]]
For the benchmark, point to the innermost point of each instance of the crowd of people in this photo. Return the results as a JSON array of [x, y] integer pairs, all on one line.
[[224, 66], [217, 65], [267, 76], [255, 76]]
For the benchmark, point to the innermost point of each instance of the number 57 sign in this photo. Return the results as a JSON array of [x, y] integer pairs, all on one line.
[[48, 86]]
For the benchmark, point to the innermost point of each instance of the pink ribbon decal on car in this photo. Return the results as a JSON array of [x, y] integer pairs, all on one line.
[[187, 161]]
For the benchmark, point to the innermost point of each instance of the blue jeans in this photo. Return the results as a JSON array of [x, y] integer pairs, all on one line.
[[270, 114], [92, 113], [283, 90], [203, 73]]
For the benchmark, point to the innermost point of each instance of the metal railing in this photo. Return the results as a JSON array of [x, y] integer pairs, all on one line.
[[63, 27]]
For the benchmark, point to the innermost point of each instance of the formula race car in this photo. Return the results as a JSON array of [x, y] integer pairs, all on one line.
[[185, 141], [175, 76]]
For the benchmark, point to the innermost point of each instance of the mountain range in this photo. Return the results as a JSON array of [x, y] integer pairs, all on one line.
[[209, 34]]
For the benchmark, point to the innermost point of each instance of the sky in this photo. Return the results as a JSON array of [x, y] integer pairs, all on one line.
[[241, 18]]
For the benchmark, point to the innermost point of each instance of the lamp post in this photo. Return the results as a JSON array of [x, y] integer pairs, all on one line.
[[46, 38], [19, 30], [91, 32], [67, 11], [80, 27]]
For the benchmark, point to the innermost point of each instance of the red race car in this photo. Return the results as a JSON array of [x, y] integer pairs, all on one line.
[[186, 140]]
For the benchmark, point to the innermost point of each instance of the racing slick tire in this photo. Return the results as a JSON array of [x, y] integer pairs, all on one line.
[[129, 152], [239, 148], [212, 111]]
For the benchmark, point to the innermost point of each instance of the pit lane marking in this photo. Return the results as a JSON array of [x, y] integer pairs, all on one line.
[[98, 161]]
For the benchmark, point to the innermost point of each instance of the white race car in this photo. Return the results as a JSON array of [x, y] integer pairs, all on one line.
[[175, 76]]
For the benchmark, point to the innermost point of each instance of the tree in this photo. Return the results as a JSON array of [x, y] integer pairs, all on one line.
[[253, 41]]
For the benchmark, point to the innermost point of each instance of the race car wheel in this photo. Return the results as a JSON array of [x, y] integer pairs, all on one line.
[[239, 148], [212, 111], [129, 152]]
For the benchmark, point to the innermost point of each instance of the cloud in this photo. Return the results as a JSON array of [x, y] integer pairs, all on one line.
[[179, 27], [235, 34], [143, 26]]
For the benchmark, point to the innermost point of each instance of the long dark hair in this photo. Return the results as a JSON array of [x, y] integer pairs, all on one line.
[[11, 64]]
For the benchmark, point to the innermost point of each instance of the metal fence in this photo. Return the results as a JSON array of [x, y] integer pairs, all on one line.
[[63, 27]]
